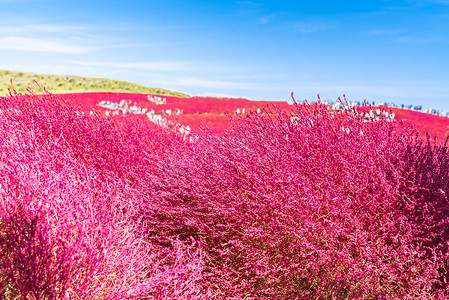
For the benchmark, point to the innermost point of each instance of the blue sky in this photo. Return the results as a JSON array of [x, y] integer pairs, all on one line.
[[383, 51]]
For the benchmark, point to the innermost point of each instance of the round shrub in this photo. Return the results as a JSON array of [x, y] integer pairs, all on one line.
[[311, 204]]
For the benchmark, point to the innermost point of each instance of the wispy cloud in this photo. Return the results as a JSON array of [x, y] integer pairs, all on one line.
[[222, 95], [202, 67], [199, 82], [13, 29], [265, 19], [57, 38], [401, 36], [147, 66], [345, 88], [56, 28], [419, 39], [128, 45], [309, 27], [38, 28], [384, 32], [37, 37], [18, 43]]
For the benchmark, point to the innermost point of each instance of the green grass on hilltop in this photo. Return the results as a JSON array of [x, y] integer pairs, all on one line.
[[71, 84]]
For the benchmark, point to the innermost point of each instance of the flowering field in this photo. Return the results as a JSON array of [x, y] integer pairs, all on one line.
[[292, 203]]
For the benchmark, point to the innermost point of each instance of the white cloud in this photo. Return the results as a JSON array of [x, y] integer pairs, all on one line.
[[147, 66], [12, 29], [25, 27], [401, 36], [391, 89], [128, 45], [198, 82], [55, 28], [267, 18], [221, 95], [346, 88], [17, 43], [418, 39], [384, 32], [310, 27]]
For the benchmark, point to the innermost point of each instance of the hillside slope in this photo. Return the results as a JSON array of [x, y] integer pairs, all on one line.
[[70, 83]]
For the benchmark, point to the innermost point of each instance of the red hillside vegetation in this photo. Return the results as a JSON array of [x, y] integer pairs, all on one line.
[[436, 126], [188, 105], [212, 111]]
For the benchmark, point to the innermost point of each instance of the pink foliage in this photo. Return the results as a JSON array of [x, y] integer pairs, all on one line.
[[193, 105], [68, 205], [435, 126], [212, 111], [300, 203], [312, 204]]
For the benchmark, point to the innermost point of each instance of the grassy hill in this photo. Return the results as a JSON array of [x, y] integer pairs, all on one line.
[[70, 83]]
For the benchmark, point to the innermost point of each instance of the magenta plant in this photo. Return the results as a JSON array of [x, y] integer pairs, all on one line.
[[311, 205], [69, 198], [301, 204]]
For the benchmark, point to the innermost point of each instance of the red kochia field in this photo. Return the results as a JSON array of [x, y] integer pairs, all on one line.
[[196, 111], [212, 111], [294, 203], [435, 126]]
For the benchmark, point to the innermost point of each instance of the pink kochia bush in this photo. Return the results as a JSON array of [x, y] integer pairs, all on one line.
[[301, 204], [68, 199], [310, 204]]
